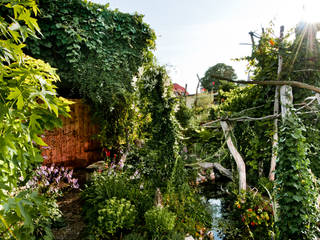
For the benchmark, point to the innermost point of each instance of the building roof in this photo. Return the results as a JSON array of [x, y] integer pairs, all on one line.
[[179, 90]]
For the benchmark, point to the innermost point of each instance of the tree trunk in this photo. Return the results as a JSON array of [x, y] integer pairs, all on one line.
[[236, 155], [275, 136]]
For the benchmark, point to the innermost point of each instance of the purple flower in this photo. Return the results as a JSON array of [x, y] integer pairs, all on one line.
[[57, 179], [46, 182], [121, 164]]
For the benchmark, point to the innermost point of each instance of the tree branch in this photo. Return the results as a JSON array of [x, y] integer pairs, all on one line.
[[276, 83], [242, 119]]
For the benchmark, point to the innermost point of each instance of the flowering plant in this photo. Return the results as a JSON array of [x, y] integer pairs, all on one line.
[[52, 180], [256, 214]]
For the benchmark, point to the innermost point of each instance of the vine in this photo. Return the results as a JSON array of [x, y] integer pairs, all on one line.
[[97, 52], [296, 190]]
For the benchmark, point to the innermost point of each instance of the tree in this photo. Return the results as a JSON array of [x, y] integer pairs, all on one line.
[[210, 83], [29, 105]]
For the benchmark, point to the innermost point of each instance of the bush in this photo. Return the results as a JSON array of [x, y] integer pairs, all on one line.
[[113, 184], [135, 236], [159, 220], [28, 215], [114, 215], [192, 213]]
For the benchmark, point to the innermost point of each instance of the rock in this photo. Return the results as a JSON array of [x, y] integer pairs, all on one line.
[[189, 238], [97, 165]]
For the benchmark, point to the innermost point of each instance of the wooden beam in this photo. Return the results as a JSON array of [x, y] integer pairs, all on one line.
[[275, 83]]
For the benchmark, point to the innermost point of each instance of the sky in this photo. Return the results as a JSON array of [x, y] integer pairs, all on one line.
[[193, 35]]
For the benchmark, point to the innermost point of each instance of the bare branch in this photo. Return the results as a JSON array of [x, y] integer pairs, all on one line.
[[306, 105], [307, 70], [275, 83], [310, 112], [242, 119]]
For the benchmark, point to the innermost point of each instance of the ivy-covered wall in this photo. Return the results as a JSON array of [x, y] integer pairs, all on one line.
[[97, 52]]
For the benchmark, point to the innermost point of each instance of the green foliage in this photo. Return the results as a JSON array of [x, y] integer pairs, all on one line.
[[28, 215], [114, 215], [192, 213], [97, 52], [296, 190], [28, 106], [249, 217], [108, 185], [159, 221], [28, 101], [303, 59], [210, 83], [162, 148], [253, 138], [135, 236], [183, 114]]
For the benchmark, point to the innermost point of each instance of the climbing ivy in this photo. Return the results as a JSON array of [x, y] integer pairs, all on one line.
[[156, 92], [97, 52], [295, 185]]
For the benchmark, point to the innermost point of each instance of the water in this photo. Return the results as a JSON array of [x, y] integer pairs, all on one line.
[[216, 215]]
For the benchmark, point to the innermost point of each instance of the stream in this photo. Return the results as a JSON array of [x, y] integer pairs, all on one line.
[[216, 215]]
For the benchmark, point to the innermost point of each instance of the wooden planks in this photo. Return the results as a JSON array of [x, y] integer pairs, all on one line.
[[73, 145]]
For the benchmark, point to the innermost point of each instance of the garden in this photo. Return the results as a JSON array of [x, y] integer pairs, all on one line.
[[249, 148]]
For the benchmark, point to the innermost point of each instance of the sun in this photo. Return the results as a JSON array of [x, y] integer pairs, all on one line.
[[311, 11]]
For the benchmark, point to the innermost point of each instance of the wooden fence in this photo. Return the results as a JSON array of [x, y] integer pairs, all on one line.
[[73, 145]]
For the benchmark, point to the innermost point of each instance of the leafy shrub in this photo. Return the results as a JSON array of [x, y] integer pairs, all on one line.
[[183, 114], [28, 215], [114, 215], [159, 220], [192, 213], [110, 184], [29, 103], [251, 216], [135, 236]]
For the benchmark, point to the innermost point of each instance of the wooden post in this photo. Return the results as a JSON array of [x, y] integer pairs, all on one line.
[[286, 99], [196, 101], [241, 166], [275, 137], [185, 93]]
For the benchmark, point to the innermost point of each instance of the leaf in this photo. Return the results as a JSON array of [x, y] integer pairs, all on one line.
[[33, 121], [54, 109], [25, 215], [38, 140], [14, 93], [20, 102]]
